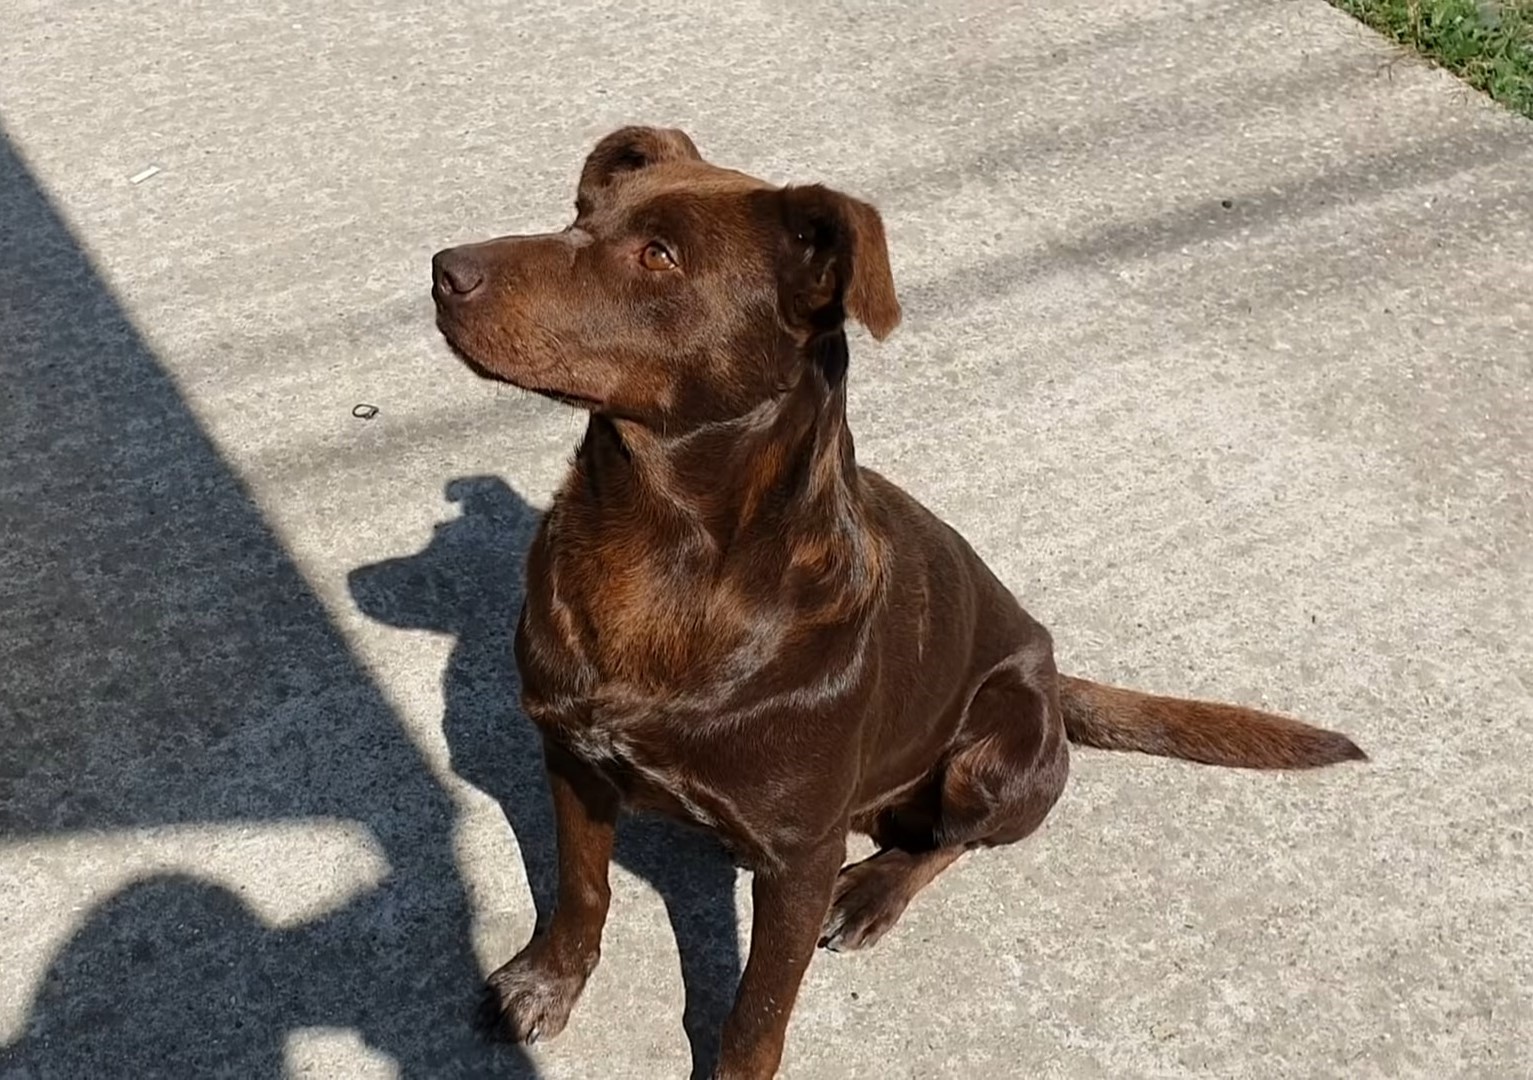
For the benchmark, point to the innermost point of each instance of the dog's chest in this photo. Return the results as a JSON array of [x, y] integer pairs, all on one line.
[[639, 711], [648, 781], [643, 767], [657, 768], [634, 768]]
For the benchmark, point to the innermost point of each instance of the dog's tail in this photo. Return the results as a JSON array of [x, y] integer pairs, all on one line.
[[1110, 718]]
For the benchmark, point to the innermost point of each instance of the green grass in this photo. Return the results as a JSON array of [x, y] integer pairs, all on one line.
[[1489, 44]]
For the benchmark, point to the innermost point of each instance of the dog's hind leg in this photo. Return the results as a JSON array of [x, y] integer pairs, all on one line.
[[872, 894], [995, 787]]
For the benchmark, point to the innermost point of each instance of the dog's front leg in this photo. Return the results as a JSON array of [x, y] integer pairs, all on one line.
[[531, 996], [790, 906]]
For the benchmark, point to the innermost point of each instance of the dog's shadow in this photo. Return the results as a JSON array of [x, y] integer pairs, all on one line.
[[468, 582]]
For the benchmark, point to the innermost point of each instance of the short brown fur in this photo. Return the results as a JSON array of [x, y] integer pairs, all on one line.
[[730, 621]]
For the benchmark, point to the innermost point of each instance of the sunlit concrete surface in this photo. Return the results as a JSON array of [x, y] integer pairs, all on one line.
[[1218, 345]]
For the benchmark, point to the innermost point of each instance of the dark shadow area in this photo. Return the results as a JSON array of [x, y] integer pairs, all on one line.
[[467, 582], [164, 663]]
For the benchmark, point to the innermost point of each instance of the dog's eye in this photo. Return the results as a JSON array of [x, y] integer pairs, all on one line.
[[656, 256]]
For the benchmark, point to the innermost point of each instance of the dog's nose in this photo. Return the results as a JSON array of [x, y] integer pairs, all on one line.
[[456, 275]]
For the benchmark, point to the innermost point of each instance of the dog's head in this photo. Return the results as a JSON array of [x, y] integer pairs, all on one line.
[[683, 293]]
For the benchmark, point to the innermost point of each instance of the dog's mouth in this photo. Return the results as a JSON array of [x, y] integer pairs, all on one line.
[[463, 354], [578, 401], [484, 371]]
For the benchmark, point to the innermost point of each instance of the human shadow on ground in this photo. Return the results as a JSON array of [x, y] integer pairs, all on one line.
[[171, 689], [467, 582]]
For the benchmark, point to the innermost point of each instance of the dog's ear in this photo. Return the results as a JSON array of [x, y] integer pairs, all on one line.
[[835, 263], [632, 148]]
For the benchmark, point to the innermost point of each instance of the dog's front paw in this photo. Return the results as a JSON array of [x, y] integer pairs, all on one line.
[[531, 996]]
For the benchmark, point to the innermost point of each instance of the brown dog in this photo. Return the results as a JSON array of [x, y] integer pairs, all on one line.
[[731, 622]]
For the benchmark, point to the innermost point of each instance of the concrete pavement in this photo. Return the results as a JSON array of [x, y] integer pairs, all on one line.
[[1218, 345]]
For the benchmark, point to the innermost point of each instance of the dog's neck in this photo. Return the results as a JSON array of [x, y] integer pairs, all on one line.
[[786, 466], [661, 551]]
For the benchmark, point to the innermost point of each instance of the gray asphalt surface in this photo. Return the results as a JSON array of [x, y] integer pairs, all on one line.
[[1218, 345]]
